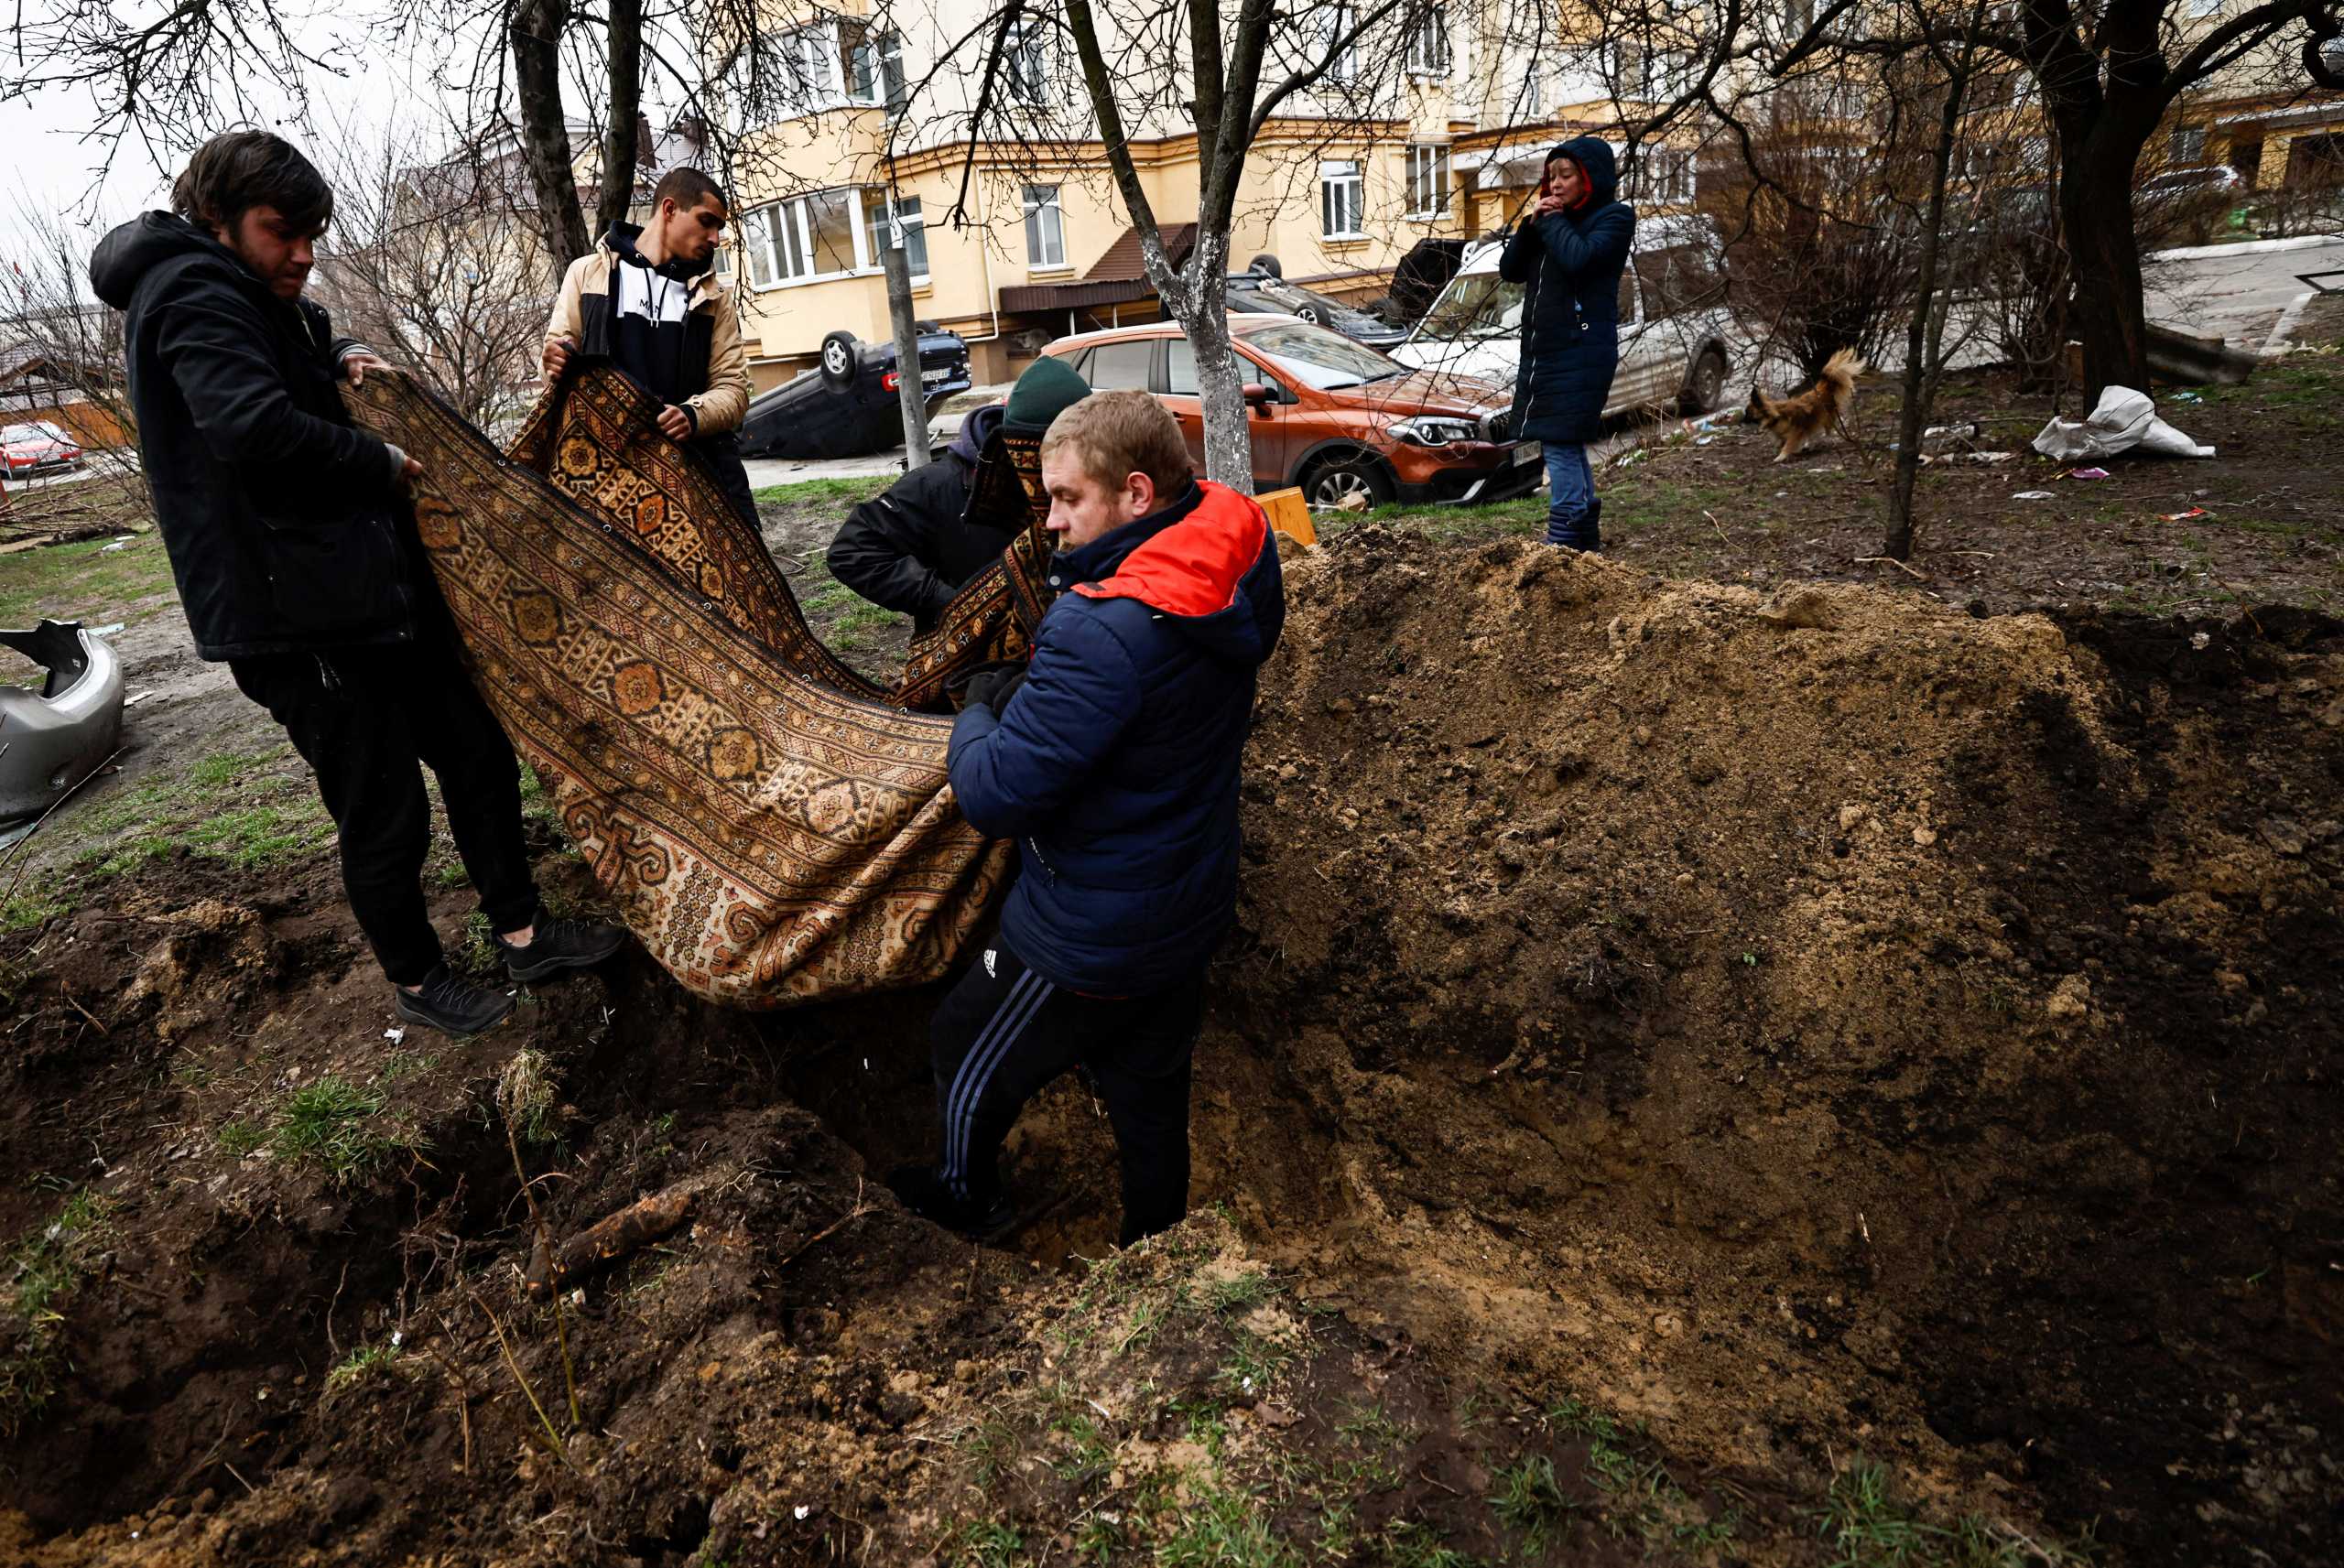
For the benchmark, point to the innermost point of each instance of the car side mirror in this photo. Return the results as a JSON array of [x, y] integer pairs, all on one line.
[[1259, 397]]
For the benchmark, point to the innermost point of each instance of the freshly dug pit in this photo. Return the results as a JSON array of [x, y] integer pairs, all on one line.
[[1821, 1023], [1816, 1026]]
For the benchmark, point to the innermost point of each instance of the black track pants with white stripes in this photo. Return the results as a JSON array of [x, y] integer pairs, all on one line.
[[1003, 1033]]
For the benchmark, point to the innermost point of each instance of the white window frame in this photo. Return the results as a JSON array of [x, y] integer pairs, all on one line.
[[1027, 73], [1428, 50], [815, 67], [1428, 176], [781, 235], [1342, 183], [1335, 20], [888, 88], [1033, 203], [2191, 136], [1664, 174], [906, 211]]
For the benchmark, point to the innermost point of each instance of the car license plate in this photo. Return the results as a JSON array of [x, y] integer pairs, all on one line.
[[1526, 452], [930, 377]]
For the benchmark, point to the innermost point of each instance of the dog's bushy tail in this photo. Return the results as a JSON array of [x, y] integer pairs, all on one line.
[[1837, 381]]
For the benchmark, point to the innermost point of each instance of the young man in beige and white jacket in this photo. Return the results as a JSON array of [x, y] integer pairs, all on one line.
[[647, 300]]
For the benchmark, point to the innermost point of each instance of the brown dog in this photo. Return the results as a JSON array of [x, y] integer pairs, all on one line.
[[1798, 419]]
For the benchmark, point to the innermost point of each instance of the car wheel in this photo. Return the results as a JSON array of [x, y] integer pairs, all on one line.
[[1266, 264], [1309, 313], [841, 356], [1353, 483], [1705, 387]]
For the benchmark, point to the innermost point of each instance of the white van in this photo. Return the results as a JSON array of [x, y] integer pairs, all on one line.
[[1672, 323]]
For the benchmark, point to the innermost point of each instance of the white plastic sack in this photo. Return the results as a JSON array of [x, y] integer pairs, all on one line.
[[2124, 419]]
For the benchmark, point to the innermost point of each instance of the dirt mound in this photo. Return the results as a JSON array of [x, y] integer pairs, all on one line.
[[1820, 1023], [1678, 1041]]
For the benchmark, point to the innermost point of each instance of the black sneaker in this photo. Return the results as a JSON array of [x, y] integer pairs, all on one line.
[[559, 945], [923, 1191], [451, 1005]]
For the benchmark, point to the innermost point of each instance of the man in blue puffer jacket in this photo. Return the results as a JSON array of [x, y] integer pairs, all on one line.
[[1570, 252], [1113, 760]]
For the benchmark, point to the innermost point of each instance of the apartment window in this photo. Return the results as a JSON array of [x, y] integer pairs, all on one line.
[[1026, 63], [803, 238], [2204, 7], [908, 212], [2188, 146], [1336, 23], [1429, 43], [1044, 227], [874, 68], [810, 79], [1343, 200], [1427, 181], [1662, 174]]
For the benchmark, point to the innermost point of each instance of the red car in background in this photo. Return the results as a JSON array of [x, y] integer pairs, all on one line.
[[1347, 425], [37, 446]]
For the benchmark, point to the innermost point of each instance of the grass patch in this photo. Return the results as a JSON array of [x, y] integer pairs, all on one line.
[[40, 1273], [1864, 1524], [1225, 1528], [337, 1126], [361, 1365], [241, 1137], [230, 807], [1529, 1500], [85, 581], [843, 492]]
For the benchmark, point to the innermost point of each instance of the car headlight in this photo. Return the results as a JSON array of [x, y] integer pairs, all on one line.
[[1434, 430]]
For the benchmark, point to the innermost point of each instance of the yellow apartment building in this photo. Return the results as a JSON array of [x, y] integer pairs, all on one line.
[[1442, 142]]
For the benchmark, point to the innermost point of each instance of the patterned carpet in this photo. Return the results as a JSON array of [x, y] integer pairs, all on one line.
[[769, 823]]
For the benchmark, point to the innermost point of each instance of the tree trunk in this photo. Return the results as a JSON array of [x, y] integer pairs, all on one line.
[[1220, 375], [2108, 316], [535, 40], [620, 151], [1924, 337]]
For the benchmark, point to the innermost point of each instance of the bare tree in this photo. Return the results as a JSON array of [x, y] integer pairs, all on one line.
[[1946, 72], [436, 262], [2107, 73], [48, 318]]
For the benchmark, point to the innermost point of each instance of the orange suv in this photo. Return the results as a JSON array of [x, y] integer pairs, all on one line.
[[1337, 418]]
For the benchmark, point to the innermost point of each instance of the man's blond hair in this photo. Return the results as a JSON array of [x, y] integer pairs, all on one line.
[[1118, 433]]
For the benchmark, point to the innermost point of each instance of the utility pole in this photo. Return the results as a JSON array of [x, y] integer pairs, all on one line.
[[908, 385]]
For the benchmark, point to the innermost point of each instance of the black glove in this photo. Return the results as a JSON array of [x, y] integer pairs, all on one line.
[[994, 686]]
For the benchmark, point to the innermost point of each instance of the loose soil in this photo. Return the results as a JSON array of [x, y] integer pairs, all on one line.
[[1704, 1074]]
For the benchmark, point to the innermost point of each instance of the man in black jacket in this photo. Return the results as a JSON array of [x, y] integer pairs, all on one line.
[[910, 548], [297, 564]]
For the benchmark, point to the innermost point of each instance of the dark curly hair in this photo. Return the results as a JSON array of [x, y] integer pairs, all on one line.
[[232, 174]]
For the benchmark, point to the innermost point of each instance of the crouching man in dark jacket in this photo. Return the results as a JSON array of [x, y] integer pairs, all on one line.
[[298, 563], [1113, 760], [911, 547]]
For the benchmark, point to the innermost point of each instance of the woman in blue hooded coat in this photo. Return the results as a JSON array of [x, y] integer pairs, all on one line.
[[1568, 254]]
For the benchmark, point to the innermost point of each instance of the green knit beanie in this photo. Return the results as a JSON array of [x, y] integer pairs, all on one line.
[[1048, 389]]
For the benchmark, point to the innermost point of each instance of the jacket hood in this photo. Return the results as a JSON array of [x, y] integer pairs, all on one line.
[[135, 249], [976, 428], [1207, 563], [1593, 155], [624, 240]]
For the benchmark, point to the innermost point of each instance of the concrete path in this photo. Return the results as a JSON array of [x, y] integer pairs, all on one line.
[[2240, 293]]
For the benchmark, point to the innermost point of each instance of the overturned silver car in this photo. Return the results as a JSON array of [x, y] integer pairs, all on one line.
[[52, 739]]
